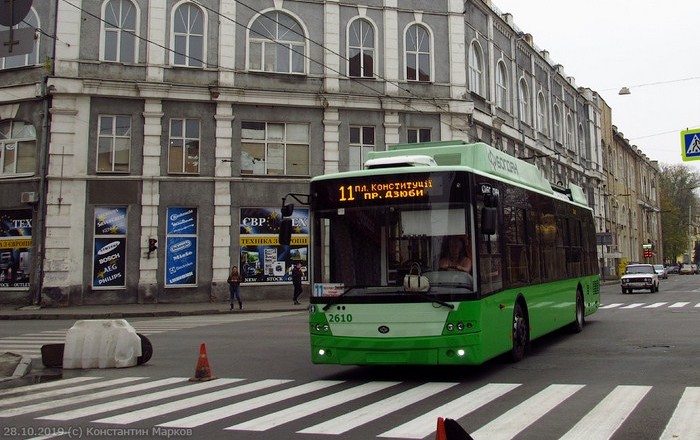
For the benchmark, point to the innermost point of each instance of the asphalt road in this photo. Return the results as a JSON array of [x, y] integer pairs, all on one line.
[[635, 362]]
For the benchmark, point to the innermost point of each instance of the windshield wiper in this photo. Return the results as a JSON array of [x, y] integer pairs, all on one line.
[[433, 298], [337, 299]]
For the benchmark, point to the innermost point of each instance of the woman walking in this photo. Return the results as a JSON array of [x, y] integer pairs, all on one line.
[[234, 286]]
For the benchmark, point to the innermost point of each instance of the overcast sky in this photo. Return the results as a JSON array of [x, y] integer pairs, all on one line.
[[649, 46]]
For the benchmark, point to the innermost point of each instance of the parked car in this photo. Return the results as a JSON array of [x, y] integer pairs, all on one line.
[[661, 271], [688, 269], [639, 276], [672, 269]]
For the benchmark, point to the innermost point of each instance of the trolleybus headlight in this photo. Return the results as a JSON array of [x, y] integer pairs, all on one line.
[[321, 352], [450, 326], [460, 352], [325, 327], [460, 326]]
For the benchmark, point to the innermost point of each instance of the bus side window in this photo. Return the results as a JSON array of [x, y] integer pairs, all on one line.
[[489, 249]]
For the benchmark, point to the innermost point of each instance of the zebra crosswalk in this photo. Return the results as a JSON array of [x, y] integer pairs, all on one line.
[[334, 407], [654, 305], [29, 344]]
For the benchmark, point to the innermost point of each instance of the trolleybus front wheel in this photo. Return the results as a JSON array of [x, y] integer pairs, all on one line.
[[521, 332], [579, 321]]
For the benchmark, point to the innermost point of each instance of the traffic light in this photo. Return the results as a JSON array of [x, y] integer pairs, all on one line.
[[152, 245]]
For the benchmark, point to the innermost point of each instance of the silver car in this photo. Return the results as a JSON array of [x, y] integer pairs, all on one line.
[[661, 271]]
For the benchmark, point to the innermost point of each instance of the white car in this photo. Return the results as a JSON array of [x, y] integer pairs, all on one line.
[[639, 276]]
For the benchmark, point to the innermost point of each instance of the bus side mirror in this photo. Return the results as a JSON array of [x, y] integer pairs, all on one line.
[[287, 210], [489, 218], [285, 236]]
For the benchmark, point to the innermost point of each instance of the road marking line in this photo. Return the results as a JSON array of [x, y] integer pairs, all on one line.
[[53, 384], [684, 422], [655, 305], [603, 420], [353, 419], [247, 405], [312, 407], [633, 306], [514, 421], [678, 305], [425, 425], [49, 395], [52, 404], [188, 387], [611, 306]]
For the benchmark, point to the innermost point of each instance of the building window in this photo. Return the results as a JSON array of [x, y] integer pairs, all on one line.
[[361, 49], [188, 36], [109, 247], [557, 123], [581, 143], [476, 69], [277, 44], [542, 125], [524, 101], [416, 135], [274, 148], [17, 147], [113, 143], [27, 26], [361, 143], [569, 132], [181, 247], [183, 151], [418, 55], [502, 95], [119, 28]]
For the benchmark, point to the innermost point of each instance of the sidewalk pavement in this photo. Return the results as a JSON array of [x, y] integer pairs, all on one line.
[[14, 366]]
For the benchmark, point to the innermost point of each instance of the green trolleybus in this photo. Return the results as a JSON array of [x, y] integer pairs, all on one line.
[[445, 253]]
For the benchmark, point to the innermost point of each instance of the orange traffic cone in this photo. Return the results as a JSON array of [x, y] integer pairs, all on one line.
[[202, 372], [440, 433]]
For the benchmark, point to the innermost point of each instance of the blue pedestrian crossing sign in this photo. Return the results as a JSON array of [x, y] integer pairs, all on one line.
[[690, 141]]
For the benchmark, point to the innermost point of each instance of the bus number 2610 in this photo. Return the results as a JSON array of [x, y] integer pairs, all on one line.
[[339, 317]]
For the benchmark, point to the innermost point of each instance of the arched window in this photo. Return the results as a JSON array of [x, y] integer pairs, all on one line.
[[119, 27], [418, 54], [542, 125], [189, 25], [30, 59], [502, 95], [569, 132], [17, 147], [581, 142], [524, 100], [476, 69], [276, 44], [361, 46], [557, 123]]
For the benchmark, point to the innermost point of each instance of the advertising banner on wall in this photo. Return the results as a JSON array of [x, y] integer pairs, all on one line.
[[109, 251], [181, 247], [262, 257], [15, 247]]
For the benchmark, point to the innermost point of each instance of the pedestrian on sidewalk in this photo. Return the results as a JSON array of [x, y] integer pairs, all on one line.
[[296, 282], [234, 287]]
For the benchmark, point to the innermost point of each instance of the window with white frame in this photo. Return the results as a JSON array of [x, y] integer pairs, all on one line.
[[524, 100], [183, 146], [418, 54], [361, 143], [542, 125], [361, 49], [189, 25], [502, 95], [557, 123], [416, 135], [30, 59], [277, 43], [476, 69], [119, 26], [269, 148], [569, 132], [113, 143], [17, 147]]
